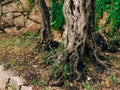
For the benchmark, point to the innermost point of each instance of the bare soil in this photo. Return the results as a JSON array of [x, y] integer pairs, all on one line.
[[18, 53]]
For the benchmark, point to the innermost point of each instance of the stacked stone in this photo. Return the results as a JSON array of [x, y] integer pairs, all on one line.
[[14, 16]]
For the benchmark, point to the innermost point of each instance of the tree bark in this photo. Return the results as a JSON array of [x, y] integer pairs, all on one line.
[[79, 38], [45, 37]]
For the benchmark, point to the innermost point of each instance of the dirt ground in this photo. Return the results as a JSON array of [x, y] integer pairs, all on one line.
[[17, 52]]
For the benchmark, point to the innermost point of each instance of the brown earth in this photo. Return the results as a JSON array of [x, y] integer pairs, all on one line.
[[18, 53]]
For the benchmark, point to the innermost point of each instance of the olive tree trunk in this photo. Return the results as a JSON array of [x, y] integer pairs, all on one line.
[[79, 33], [79, 41], [45, 39]]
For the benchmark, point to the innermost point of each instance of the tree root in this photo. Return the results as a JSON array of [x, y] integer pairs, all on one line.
[[79, 70]]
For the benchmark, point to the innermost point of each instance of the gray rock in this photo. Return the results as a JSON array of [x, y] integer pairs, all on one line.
[[9, 7], [16, 82], [7, 30], [16, 14], [7, 20], [26, 88], [24, 4], [35, 14], [2, 68], [19, 21], [4, 77], [3, 80], [31, 26], [10, 88]]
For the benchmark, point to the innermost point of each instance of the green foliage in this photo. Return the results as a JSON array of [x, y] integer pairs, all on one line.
[[114, 80], [115, 16], [30, 10], [37, 82], [57, 14], [11, 87], [30, 1], [12, 61], [31, 7], [112, 7], [88, 86], [32, 35], [56, 67]]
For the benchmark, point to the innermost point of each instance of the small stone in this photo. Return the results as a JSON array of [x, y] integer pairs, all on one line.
[[1, 31], [2, 68], [9, 7], [14, 29], [89, 78], [10, 88], [7, 30], [34, 66], [16, 14], [31, 26], [16, 82], [19, 21], [24, 4], [7, 19], [26, 88], [4, 77], [35, 15]]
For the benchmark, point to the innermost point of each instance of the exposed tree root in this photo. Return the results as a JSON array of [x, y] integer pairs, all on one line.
[[79, 44], [78, 69], [103, 42]]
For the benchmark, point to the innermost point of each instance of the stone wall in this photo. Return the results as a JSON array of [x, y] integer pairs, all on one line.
[[19, 15]]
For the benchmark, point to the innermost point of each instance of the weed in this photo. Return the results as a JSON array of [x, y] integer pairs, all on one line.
[[12, 61], [67, 84], [11, 87], [32, 35], [37, 82], [57, 14], [30, 10], [113, 10], [113, 79], [30, 1], [88, 86]]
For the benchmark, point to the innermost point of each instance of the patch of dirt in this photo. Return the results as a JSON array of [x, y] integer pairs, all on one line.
[[18, 53]]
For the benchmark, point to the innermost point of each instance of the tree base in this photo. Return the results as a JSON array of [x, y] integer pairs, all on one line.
[[78, 71]]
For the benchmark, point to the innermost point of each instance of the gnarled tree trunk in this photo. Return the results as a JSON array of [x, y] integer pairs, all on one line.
[[45, 38], [79, 38], [79, 42]]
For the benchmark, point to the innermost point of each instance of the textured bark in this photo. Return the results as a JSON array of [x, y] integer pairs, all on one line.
[[78, 37], [45, 39]]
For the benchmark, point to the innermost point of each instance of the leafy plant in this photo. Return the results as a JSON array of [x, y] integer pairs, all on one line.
[[57, 20], [88, 86], [37, 82], [12, 61], [32, 35], [113, 10], [113, 79], [30, 1], [30, 10]]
